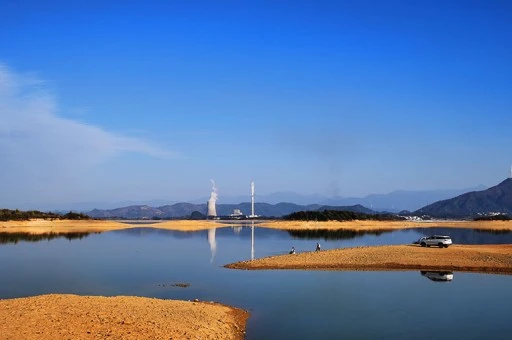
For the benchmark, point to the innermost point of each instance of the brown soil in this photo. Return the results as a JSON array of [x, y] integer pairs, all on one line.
[[93, 317], [469, 258]]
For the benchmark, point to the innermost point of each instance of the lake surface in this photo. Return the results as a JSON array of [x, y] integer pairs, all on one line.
[[283, 304]]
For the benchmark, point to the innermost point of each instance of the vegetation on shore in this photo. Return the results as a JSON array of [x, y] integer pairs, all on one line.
[[500, 217], [18, 215], [339, 215]]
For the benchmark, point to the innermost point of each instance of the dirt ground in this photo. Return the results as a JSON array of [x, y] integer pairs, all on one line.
[[96, 317], [467, 258]]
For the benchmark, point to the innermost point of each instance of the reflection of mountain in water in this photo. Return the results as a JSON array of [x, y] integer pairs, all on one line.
[[438, 276], [150, 231], [6, 238], [327, 234]]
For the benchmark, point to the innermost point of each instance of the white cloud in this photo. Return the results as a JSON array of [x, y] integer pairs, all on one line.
[[37, 145]]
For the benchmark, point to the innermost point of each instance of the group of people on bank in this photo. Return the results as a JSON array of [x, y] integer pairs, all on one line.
[[292, 251]]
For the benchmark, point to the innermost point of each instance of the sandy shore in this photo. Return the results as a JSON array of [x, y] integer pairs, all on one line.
[[467, 258], [92, 317], [79, 226], [388, 225], [68, 226]]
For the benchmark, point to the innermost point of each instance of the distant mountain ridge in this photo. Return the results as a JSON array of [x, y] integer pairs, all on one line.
[[497, 199], [394, 201], [399, 200], [184, 210]]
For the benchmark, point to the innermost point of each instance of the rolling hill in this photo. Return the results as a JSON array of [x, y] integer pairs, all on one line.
[[184, 210], [497, 199]]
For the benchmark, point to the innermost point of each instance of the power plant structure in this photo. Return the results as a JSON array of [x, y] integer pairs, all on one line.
[[212, 211], [252, 202], [237, 213]]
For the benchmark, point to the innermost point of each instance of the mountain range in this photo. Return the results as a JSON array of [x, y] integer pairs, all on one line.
[[497, 199], [394, 201], [186, 209]]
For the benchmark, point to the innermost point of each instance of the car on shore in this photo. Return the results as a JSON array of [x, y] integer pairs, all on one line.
[[442, 241]]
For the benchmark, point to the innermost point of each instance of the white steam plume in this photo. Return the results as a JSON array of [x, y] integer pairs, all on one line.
[[212, 201]]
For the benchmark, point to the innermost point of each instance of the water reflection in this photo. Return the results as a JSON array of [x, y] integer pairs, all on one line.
[[6, 238], [458, 235], [470, 236], [327, 234], [212, 242], [237, 231], [252, 241], [438, 276]]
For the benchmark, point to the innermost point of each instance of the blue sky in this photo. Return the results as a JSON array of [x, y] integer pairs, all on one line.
[[108, 101]]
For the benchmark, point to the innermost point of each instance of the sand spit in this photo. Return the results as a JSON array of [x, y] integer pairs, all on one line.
[[41, 226], [467, 258], [72, 226], [92, 317], [388, 225]]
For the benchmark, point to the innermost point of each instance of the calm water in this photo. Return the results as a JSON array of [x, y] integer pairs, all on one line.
[[283, 304]]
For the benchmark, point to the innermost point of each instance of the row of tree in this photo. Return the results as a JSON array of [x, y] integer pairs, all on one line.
[[500, 217], [18, 215], [337, 215]]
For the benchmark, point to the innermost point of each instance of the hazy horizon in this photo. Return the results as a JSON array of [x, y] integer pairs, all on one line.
[[108, 102], [270, 198]]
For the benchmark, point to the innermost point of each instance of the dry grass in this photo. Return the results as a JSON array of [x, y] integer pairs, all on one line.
[[387, 225], [72, 226]]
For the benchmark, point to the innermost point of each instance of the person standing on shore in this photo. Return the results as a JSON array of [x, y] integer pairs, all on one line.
[[317, 246]]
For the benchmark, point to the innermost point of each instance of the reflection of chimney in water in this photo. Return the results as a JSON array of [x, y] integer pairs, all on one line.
[[252, 240], [212, 242], [212, 211]]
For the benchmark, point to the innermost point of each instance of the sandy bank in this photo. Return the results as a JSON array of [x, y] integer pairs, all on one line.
[[91, 317], [387, 225], [78, 226], [73, 226], [468, 258]]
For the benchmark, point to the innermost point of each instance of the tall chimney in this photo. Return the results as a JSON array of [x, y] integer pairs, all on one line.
[[252, 199]]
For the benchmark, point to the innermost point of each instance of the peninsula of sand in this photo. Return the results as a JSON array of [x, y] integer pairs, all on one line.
[[122, 317], [466, 258]]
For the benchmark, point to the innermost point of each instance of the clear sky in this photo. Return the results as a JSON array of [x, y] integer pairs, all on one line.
[[137, 100]]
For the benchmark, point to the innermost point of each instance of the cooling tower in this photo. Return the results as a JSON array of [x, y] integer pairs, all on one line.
[[212, 212]]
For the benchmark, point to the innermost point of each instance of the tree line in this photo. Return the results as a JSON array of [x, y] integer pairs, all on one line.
[[500, 217], [18, 215], [339, 215]]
